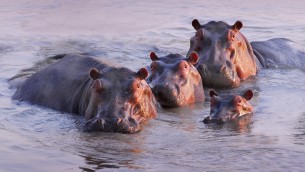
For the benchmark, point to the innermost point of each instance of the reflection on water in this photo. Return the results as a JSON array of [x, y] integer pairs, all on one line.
[[35, 138], [242, 125], [300, 131]]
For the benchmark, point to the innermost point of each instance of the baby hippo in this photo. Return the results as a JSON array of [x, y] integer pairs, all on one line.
[[174, 80], [228, 108]]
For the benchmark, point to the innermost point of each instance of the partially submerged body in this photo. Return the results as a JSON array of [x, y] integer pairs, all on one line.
[[174, 80], [111, 98], [226, 57], [228, 108]]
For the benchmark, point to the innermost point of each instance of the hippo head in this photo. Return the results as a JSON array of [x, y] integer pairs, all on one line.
[[119, 100], [174, 80], [228, 108], [225, 55]]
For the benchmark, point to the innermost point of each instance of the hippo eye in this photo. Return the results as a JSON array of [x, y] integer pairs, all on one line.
[[138, 85]]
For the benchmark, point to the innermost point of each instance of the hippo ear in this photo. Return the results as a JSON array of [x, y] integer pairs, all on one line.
[[153, 56], [237, 26], [248, 95], [94, 74], [213, 93], [142, 73], [196, 24], [193, 58]]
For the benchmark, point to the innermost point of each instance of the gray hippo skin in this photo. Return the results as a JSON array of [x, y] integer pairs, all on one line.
[[228, 108], [226, 57], [278, 52], [174, 80], [112, 99]]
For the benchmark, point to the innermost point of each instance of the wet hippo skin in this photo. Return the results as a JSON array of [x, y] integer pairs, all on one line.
[[174, 80], [226, 57], [228, 108], [113, 99]]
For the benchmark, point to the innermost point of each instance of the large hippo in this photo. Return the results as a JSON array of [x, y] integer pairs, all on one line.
[[113, 99], [174, 80], [228, 108], [226, 57]]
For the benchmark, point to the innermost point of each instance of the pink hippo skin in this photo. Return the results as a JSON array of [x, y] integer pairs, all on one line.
[[174, 80]]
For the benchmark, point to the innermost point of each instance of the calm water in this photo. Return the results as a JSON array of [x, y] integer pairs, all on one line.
[[35, 138]]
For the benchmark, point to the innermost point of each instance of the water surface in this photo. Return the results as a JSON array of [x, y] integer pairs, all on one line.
[[35, 138]]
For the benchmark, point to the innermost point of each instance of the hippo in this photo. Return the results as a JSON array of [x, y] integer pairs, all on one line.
[[112, 99], [226, 57], [174, 80], [228, 108]]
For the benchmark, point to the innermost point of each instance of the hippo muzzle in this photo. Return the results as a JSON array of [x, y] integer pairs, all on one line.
[[129, 125], [168, 95], [220, 76], [121, 117], [221, 119]]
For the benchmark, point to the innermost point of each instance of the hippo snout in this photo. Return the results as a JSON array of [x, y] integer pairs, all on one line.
[[167, 95], [202, 68], [218, 121], [163, 90], [218, 75], [112, 125], [208, 120]]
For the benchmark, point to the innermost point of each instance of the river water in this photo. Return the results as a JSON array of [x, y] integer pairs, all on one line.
[[35, 138]]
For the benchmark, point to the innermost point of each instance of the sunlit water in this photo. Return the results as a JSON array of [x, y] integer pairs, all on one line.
[[36, 138]]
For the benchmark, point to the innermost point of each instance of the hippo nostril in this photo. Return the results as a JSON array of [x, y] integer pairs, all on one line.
[[207, 120]]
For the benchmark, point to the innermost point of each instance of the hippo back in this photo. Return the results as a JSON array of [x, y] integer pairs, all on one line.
[[63, 96], [279, 52]]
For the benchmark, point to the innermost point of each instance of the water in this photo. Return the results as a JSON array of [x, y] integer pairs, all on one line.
[[36, 138]]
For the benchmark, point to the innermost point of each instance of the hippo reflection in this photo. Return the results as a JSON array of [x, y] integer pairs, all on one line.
[[112, 99], [226, 57], [228, 108], [174, 80]]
